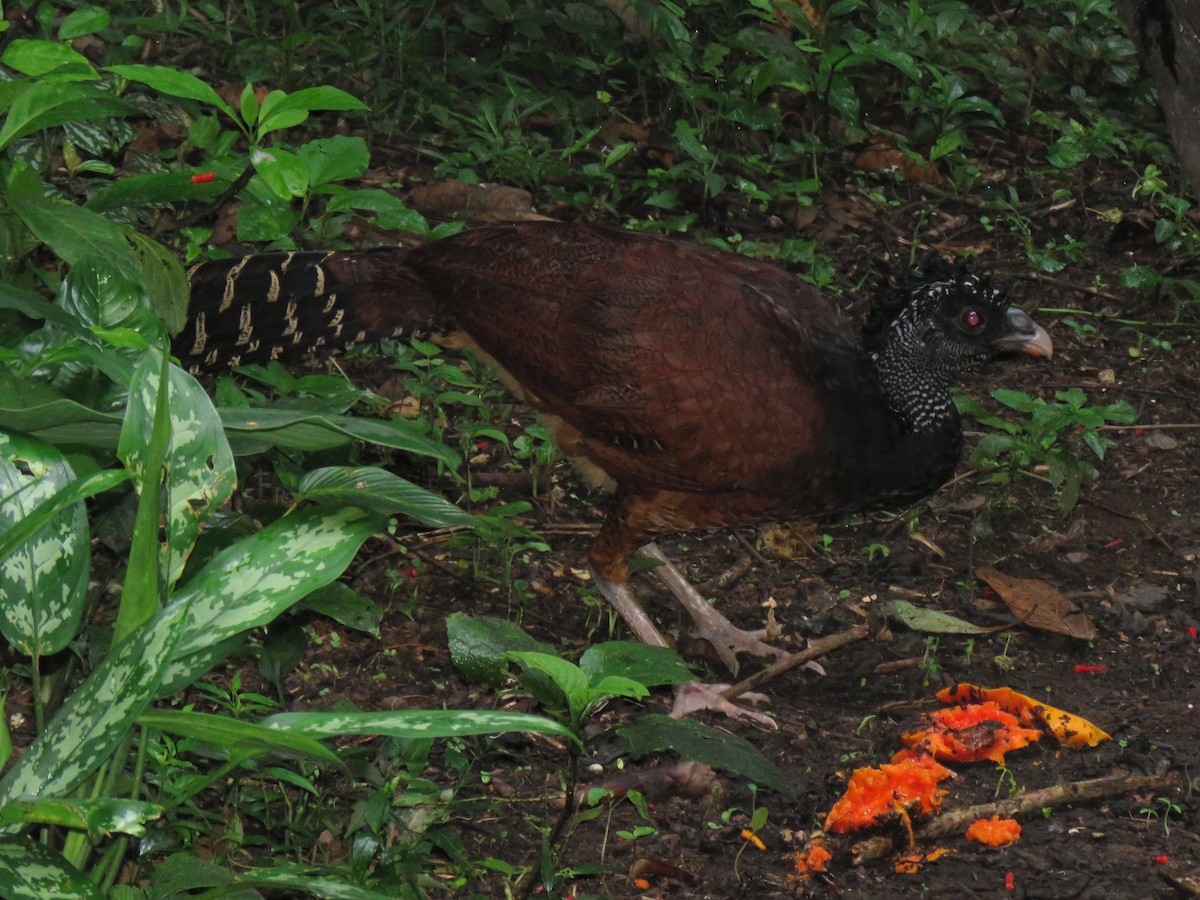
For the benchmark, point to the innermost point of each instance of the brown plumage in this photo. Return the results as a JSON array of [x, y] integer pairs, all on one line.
[[708, 389]]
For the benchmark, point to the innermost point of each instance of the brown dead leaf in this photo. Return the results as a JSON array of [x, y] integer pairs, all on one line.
[[1039, 604], [789, 540]]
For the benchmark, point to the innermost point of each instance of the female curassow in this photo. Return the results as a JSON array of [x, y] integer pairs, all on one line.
[[707, 389]]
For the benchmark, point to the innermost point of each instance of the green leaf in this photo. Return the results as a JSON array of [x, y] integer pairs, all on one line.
[[262, 222], [337, 158], [47, 104], [435, 723], [95, 717], [692, 740], [282, 171], [567, 677], [644, 664], [43, 580], [42, 412], [154, 190], [98, 818], [80, 22], [231, 736], [201, 473], [145, 578], [253, 581], [346, 606], [41, 58], [32, 871], [282, 112], [390, 212], [74, 233], [479, 646], [175, 83], [381, 491], [252, 430], [930, 620], [164, 282]]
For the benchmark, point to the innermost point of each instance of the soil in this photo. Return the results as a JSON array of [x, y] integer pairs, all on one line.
[[1125, 555]]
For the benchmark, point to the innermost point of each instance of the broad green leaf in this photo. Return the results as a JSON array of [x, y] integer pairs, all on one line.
[[692, 740], [32, 871], [74, 233], [80, 22], [566, 675], [282, 111], [175, 83], [149, 556], [311, 881], [241, 587], [40, 58], [930, 620], [416, 723], [381, 491], [93, 720], [99, 818], [99, 296], [153, 190], [346, 606], [201, 474], [43, 580], [232, 736], [78, 490], [337, 158], [282, 171], [164, 281], [644, 664], [479, 646], [42, 412], [256, 579], [390, 211], [266, 222], [248, 105], [47, 104], [252, 430]]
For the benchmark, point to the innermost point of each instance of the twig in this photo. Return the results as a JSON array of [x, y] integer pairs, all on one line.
[[956, 821], [1034, 801], [814, 650]]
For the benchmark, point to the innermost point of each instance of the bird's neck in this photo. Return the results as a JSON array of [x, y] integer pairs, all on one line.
[[919, 393]]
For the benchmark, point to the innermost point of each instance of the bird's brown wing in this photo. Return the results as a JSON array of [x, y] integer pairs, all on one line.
[[682, 368]]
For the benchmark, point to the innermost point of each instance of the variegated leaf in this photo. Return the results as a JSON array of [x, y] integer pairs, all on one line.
[[43, 581], [415, 723], [199, 462], [94, 719], [379, 490], [256, 579], [31, 871]]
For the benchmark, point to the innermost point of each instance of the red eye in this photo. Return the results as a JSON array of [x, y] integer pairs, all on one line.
[[972, 318]]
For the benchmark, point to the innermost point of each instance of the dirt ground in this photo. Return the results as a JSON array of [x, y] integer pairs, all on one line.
[[1126, 555]]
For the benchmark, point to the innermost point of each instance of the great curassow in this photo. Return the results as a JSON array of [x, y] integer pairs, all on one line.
[[706, 388]]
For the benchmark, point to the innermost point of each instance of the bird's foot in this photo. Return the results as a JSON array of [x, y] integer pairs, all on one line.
[[726, 639], [694, 696]]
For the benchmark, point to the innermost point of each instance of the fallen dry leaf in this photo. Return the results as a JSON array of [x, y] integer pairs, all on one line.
[[1039, 604]]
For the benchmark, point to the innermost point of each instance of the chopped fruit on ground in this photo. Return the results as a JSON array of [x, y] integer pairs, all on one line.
[[900, 788], [971, 733], [1068, 728], [995, 832]]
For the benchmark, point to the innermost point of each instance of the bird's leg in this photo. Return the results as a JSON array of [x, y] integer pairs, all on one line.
[[693, 695], [726, 638]]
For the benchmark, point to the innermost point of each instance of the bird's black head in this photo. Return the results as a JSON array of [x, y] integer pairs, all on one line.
[[948, 317], [930, 325]]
